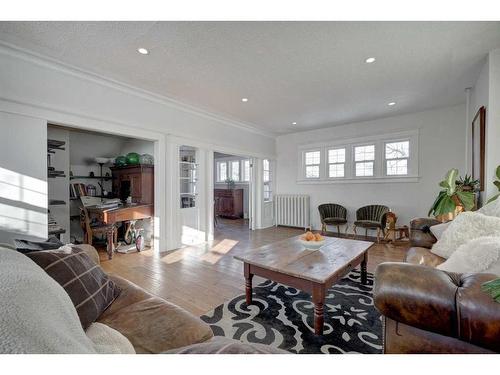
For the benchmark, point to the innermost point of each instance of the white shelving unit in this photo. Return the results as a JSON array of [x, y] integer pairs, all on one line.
[[188, 170]]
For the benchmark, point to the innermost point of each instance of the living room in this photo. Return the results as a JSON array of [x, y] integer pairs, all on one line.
[[303, 187]]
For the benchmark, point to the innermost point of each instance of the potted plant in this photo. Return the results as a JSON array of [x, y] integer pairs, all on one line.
[[450, 200], [230, 183], [467, 183], [497, 184]]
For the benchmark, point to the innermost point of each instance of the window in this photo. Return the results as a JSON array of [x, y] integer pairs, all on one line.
[[336, 162], [396, 158], [364, 157], [266, 176], [312, 160], [246, 171], [221, 171], [235, 170]]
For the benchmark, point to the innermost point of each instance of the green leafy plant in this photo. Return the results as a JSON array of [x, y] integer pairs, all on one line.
[[493, 289], [230, 183], [466, 183], [497, 184], [450, 197]]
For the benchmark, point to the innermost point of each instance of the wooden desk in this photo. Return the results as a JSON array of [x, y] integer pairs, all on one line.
[[119, 214]]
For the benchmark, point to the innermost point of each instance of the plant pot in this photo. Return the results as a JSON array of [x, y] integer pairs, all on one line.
[[451, 215]]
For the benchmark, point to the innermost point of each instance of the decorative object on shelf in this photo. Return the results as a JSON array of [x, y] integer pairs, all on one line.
[[91, 174], [91, 190], [478, 146], [230, 183], [132, 158], [451, 201], [146, 159], [497, 184], [120, 161], [492, 288]]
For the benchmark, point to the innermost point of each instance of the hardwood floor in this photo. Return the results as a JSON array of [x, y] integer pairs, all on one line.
[[199, 278]]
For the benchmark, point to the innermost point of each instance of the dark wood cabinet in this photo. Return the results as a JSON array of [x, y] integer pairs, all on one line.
[[136, 180], [229, 203]]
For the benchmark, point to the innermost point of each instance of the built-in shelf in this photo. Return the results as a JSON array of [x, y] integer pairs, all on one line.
[[90, 177], [56, 202]]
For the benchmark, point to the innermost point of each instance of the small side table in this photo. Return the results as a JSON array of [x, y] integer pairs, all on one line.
[[397, 233]]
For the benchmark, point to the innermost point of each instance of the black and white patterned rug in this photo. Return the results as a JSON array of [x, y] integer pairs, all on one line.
[[282, 317]]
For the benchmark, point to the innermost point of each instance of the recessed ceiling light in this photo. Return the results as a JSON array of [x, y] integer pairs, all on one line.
[[142, 51], [391, 103], [244, 100], [294, 123], [370, 60]]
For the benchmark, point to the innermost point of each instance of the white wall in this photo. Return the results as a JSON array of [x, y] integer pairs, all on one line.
[[441, 143], [137, 145], [493, 123], [55, 93], [23, 177]]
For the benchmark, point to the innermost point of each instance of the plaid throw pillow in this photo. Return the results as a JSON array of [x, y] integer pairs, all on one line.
[[90, 289]]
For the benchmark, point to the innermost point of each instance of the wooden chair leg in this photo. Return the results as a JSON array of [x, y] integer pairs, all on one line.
[[338, 229], [354, 231], [378, 235], [323, 228], [366, 232]]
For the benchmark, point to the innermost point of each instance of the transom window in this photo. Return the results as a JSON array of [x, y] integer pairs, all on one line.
[[235, 170], [336, 162], [246, 171], [266, 176], [364, 159], [221, 171], [312, 161], [396, 158]]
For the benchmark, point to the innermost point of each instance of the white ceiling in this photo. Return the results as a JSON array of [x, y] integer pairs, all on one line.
[[309, 72]]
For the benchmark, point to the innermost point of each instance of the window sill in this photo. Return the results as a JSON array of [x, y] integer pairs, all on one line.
[[360, 180]]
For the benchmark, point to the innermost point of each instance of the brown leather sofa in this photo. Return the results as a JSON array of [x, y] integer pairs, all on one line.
[[154, 325], [431, 311]]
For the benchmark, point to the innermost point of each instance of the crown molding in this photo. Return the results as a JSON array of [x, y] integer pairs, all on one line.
[[57, 65]]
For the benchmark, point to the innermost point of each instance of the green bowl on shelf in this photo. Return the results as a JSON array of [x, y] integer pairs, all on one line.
[[120, 161], [133, 158]]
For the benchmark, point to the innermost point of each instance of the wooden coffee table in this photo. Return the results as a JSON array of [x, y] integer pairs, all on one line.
[[287, 262]]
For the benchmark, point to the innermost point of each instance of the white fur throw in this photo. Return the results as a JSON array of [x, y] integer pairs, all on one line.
[[478, 255], [36, 314], [465, 227], [491, 209], [108, 340]]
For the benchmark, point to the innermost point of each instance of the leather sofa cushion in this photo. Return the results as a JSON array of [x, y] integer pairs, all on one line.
[[423, 256], [152, 324]]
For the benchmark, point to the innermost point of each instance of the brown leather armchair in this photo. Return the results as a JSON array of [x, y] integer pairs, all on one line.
[[431, 311]]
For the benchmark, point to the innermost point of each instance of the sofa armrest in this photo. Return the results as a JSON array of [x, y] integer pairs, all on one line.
[[420, 234], [446, 303]]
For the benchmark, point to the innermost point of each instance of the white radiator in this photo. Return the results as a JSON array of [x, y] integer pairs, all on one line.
[[292, 210]]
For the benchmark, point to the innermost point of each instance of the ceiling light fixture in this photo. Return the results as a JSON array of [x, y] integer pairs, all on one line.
[[294, 123], [143, 51], [370, 60], [244, 100], [391, 103]]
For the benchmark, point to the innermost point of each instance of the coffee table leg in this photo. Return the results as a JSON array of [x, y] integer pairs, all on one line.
[[248, 284], [364, 275], [318, 297]]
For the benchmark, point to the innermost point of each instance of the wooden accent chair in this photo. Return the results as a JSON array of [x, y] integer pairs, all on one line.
[[332, 214], [90, 230], [371, 217]]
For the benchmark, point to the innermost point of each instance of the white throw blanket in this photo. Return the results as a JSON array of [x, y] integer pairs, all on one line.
[[465, 227], [37, 315], [480, 255]]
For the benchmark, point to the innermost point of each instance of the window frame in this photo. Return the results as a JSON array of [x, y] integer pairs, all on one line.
[[232, 163], [385, 160], [242, 170], [328, 163], [374, 161], [219, 163], [304, 165], [268, 183], [380, 165]]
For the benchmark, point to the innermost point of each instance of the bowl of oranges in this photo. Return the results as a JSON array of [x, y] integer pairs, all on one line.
[[312, 241]]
